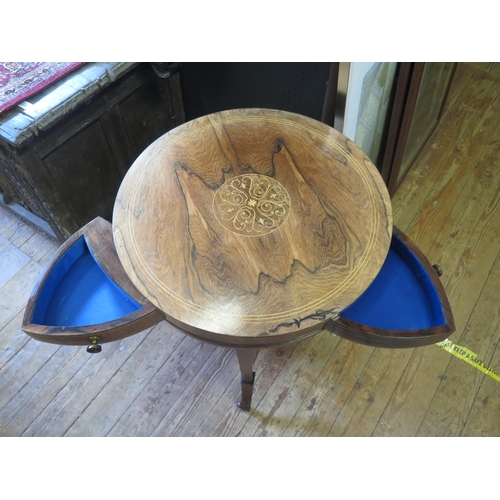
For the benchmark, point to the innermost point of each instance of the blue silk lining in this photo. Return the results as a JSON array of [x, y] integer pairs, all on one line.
[[78, 292], [402, 296]]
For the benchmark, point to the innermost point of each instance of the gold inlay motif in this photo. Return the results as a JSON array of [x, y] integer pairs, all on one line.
[[251, 204]]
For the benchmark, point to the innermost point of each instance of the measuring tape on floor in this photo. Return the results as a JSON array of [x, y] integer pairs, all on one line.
[[467, 356]]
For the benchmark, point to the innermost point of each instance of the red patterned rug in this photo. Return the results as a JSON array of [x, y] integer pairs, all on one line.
[[20, 80]]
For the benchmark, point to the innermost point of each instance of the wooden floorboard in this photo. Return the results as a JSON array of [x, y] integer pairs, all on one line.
[[146, 356], [361, 413], [222, 419], [449, 410], [163, 383], [472, 159], [481, 421], [339, 379], [439, 160], [471, 267], [157, 398], [292, 385]]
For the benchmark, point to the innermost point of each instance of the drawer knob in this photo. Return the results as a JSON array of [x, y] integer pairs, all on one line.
[[94, 347], [438, 269]]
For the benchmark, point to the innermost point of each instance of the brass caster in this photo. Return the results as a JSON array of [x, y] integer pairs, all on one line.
[[94, 347], [438, 269]]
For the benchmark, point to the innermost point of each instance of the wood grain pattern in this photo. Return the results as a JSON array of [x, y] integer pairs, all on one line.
[[236, 289]]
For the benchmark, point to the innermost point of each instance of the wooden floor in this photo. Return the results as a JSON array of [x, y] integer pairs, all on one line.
[[162, 383]]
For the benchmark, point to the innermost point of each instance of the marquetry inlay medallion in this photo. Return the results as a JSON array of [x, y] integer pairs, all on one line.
[[251, 205]]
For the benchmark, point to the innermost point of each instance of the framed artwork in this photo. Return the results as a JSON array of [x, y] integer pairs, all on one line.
[[369, 91]]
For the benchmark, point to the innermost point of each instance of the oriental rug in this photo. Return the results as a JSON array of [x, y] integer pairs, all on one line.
[[20, 80]]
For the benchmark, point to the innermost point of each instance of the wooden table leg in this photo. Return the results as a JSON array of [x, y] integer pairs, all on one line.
[[246, 358]]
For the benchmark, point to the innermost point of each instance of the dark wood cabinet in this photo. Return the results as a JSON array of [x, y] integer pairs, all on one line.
[[64, 153]]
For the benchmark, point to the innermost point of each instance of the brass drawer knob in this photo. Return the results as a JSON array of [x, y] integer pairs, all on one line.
[[94, 347]]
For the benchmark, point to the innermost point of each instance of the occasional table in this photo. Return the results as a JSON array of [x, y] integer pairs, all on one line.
[[252, 228]]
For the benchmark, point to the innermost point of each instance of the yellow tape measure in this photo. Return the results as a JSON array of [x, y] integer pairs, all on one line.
[[467, 356]]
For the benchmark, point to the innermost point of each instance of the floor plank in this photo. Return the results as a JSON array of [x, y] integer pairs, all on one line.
[[71, 401], [432, 163], [411, 397], [478, 272], [15, 293], [450, 408], [168, 385], [205, 389], [40, 390], [223, 420], [463, 74], [37, 247], [7, 220], [12, 260], [482, 420], [12, 339], [321, 407], [361, 413], [464, 288], [22, 368], [274, 412], [99, 417], [472, 160]]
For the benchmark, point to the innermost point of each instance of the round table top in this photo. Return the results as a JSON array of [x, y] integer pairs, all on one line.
[[252, 223]]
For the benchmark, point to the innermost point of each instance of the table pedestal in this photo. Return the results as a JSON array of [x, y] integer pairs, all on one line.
[[246, 359]]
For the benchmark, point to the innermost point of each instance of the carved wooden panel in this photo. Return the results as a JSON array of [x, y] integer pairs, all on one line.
[[67, 158]]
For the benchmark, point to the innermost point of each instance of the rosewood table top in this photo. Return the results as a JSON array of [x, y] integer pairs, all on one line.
[[252, 227]]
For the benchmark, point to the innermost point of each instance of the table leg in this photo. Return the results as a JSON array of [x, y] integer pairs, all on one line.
[[246, 358]]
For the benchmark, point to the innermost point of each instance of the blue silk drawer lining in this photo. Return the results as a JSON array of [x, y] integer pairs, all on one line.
[[78, 292], [402, 296]]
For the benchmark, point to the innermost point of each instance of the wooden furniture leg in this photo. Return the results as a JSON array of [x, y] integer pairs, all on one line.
[[246, 358]]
